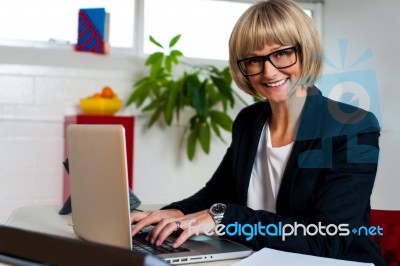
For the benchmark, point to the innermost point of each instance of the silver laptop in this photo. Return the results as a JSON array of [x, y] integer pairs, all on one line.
[[99, 194]]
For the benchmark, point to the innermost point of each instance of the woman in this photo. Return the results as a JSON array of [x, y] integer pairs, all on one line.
[[296, 158]]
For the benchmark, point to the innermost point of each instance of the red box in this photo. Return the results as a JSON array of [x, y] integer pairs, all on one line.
[[127, 121]]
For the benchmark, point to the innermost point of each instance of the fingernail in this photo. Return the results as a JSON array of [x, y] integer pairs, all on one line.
[[158, 243], [175, 245]]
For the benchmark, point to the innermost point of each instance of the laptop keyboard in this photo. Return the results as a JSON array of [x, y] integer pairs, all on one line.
[[141, 245]]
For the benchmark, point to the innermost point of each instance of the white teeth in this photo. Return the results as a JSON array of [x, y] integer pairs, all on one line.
[[276, 83]]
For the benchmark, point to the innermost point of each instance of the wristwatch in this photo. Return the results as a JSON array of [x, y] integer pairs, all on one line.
[[217, 212]]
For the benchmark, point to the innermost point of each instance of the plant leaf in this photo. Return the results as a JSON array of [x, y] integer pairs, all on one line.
[[191, 144], [154, 117], [156, 66], [224, 88], [152, 105], [161, 80], [197, 94], [174, 56], [205, 137], [227, 75], [141, 92], [193, 122], [154, 58], [222, 119], [214, 126], [171, 101], [176, 53], [155, 42], [168, 64], [140, 81], [174, 40]]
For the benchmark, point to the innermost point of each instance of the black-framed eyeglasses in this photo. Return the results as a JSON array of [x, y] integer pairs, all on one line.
[[279, 59]]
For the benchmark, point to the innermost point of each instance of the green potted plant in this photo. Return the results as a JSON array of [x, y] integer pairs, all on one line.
[[203, 89]]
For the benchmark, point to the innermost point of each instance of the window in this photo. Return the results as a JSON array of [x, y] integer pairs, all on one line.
[[57, 21]]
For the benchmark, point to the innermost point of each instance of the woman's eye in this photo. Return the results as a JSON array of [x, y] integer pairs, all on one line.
[[253, 61], [281, 54]]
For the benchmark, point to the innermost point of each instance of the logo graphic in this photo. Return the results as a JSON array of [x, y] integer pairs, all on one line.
[[281, 230], [358, 89], [355, 87]]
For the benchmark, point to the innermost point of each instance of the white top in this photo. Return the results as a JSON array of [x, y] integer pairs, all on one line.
[[266, 175]]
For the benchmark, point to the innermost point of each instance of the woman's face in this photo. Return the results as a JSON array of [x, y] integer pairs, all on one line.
[[274, 84]]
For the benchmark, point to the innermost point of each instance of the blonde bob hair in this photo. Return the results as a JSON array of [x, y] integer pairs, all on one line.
[[276, 22]]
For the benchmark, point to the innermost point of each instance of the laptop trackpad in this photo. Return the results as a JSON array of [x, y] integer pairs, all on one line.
[[212, 245], [201, 238]]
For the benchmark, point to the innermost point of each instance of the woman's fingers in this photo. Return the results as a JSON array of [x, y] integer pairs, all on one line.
[[196, 223], [136, 216], [186, 233], [164, 229], [146, 218], [170, 221]]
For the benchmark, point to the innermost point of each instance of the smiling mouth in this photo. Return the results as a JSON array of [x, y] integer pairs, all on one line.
[[276, 84]]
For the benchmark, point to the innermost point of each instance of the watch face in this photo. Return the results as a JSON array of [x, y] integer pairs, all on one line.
[[218, 208]]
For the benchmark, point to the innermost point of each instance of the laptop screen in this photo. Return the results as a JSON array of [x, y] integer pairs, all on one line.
[[99, 185]]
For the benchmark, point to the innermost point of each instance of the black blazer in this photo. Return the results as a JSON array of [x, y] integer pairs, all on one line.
[[328, 179]]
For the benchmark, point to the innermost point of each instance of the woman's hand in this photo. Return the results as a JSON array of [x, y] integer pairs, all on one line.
[[145, 218], [188, 225]]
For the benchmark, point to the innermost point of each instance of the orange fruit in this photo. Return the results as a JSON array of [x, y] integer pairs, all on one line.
[[107, 92], [97, 95]]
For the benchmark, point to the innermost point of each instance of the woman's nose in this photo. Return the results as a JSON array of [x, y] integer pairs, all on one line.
[[269, 69]]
